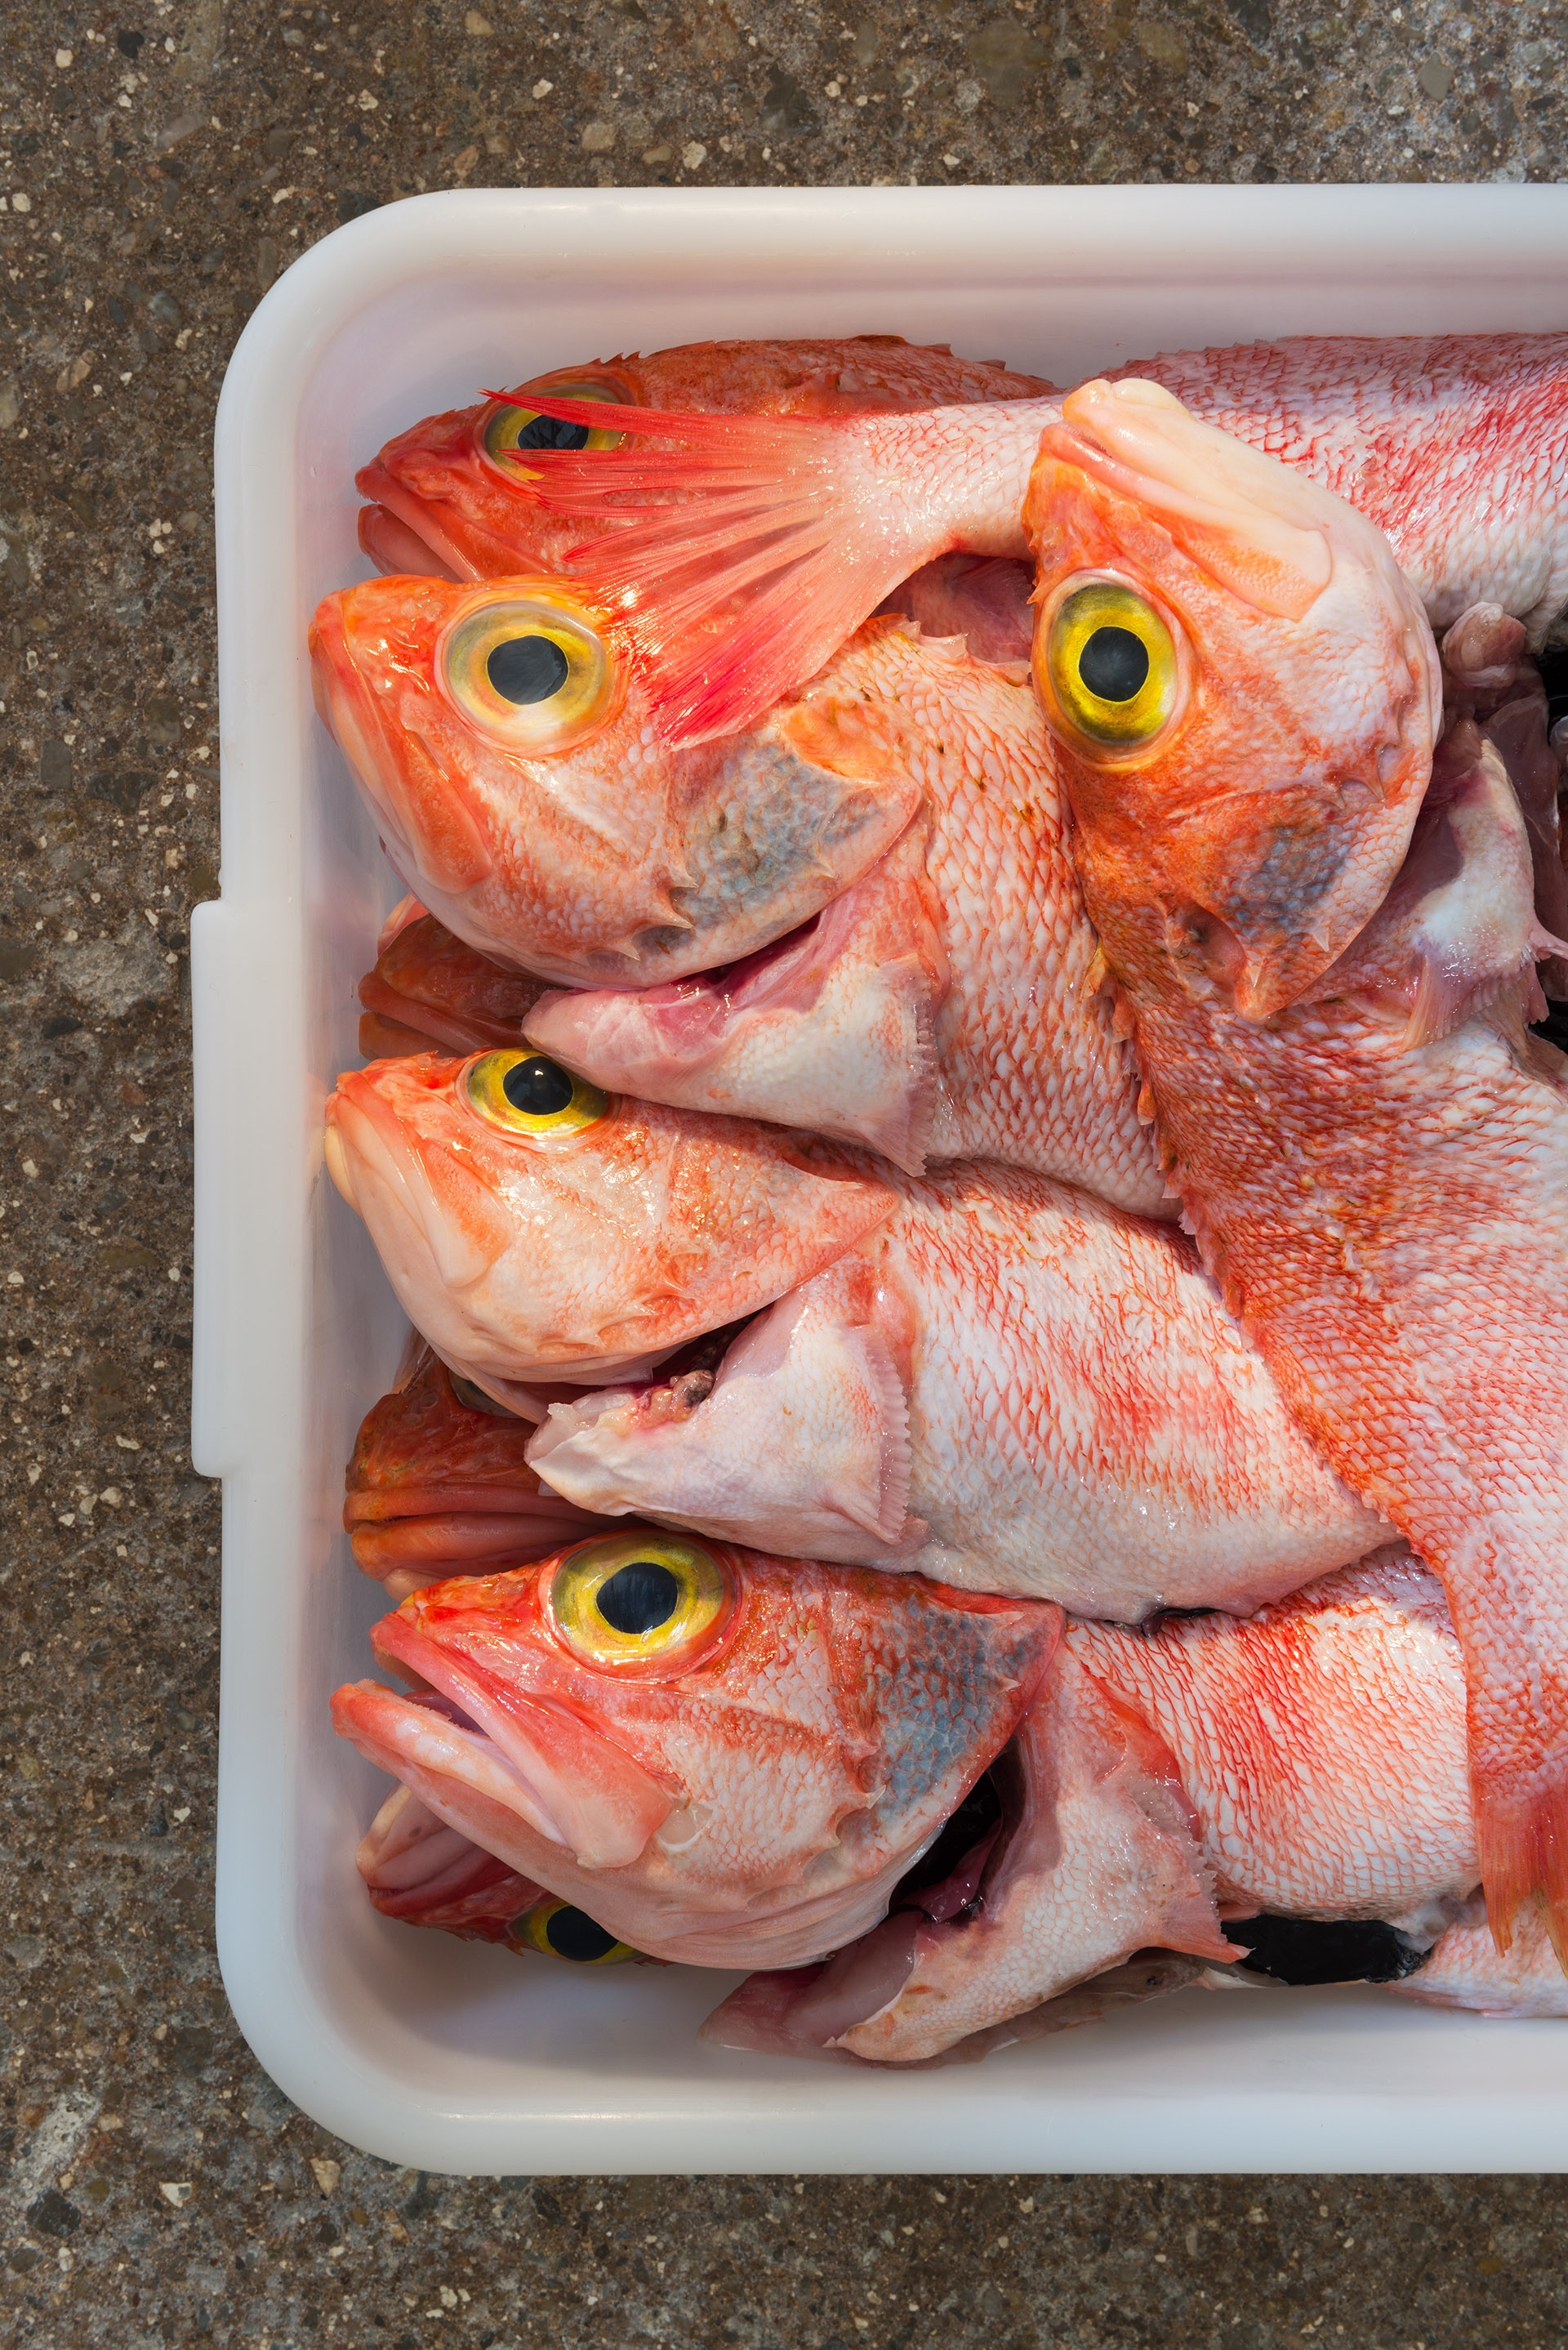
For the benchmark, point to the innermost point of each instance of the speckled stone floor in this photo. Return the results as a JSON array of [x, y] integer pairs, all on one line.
[[159, 166]]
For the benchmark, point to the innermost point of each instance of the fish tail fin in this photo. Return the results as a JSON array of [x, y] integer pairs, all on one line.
[[748, 548], [1521, 1843]]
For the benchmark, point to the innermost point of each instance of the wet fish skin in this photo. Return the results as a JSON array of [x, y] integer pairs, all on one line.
[[1372, 1152]]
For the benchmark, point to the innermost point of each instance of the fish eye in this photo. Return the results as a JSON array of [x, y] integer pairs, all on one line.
[[528, 1093], [532, 671], [563, 1931], [1112, 674], [640, 1598], [509, 429]]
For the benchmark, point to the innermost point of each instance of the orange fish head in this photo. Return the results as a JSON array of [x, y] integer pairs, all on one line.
[[1246, 689], [720, 1756], [535, 1227], [453, 493], [502, 739]]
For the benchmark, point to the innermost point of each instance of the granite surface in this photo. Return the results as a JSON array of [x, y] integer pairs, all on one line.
[[159, 166]]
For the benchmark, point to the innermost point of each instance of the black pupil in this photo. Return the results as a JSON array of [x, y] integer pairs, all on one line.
[[573, 1934], [1114, 664], [527, 669], [638, 1596], [552, 432], [538, 1086]]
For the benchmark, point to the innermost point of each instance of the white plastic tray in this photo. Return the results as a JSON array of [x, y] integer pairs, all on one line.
[[458, 2058]]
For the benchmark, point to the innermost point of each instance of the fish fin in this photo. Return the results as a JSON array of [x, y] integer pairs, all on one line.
[[749, 550], [1521, 1844]]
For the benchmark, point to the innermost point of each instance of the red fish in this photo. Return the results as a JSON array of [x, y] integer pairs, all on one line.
[[501, 738], [451, 493], [937, 1819], [752, 545], [1327, 999], [438, 1485], [722, 1757], [533, 1227], [941, 1007]]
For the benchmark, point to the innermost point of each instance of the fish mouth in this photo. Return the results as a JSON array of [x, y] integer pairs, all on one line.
[[408, 519], [521, 1775]]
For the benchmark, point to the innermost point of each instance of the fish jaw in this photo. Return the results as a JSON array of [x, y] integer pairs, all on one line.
[[1237, 851], [417, 1868], [802, 1444], [803, 1764], [599, 1254], [604, 858], [831, 1029]]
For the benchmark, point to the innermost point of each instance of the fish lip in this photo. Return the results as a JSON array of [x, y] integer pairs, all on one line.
[[724, 989], [383, 489], [407, 1647]]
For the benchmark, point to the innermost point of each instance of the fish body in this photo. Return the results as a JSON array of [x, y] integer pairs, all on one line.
[[1008, 1386], [453, 494], [927, 1816], [508, 1231], [1322, 950], [1456, 447], [540, 818]]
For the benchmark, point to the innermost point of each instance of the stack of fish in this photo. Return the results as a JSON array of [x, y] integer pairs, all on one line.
[[962, 1108]]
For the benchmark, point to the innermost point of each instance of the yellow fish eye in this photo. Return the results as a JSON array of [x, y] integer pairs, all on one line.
[[562, 1931], [1111, 674], [509, 430], [532, 671], [639, 1599], [528, 1093]]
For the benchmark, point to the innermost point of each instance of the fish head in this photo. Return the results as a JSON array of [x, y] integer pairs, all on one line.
[[1246, 689], [454, 492], [721, 1756], [500, 735], [534, 1227]]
